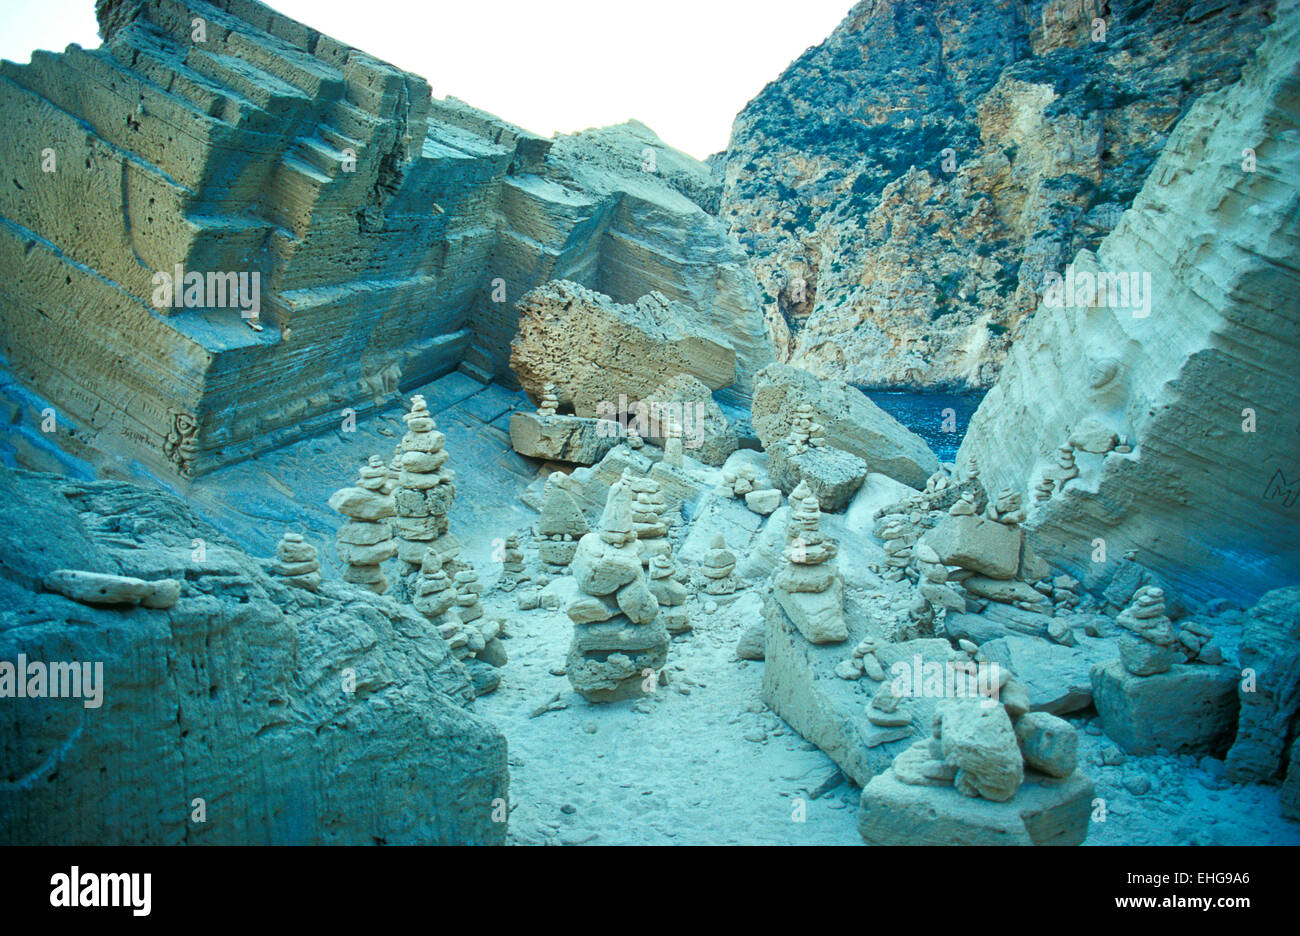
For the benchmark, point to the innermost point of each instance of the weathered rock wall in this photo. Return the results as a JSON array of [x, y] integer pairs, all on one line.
[[1203, 386], [236, 695], [379, 221], [903, 186]]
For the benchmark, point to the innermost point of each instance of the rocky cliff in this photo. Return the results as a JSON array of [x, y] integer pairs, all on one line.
[[1200, 384], [903, 187], [249, 711], [218, 165]]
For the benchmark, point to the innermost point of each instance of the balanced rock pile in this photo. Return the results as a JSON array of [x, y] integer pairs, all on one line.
[[670, 593], [990, 750], [425, 493], [897, 531], [807, 584], [649, 517], [717, 568], [296, 562], [1150, 644], [559, 527], [366, 541], [619, 642], [512, 563], [452, 605], [738, 480]]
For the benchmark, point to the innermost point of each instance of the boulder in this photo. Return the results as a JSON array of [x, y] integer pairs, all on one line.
[[852, 423], [626, 351], [980, 743], [1049, 744], [1189, 709], [1270, 649], [706, 434], [571, 439], [834, 476], [1058, 678], [976, 543], [1045, 811]]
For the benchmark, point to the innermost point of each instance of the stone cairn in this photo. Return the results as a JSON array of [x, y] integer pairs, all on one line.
[[559, 527], [862, 662], [896, 530], [1044, 490], [673, 449], [807, 584], [805, 432], [670, 593], [718, 568], [1149, 645], [619, 642], [1005, 508], [512, 564], [984, 749], [452, 606], [296, 562], [1065, 466], [468, 591], [549, 404], [394, 473], [738, 481], [366, 540], [426, 490], [649, 517]]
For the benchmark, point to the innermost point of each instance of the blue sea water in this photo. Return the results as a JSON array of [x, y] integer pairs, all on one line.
[[924, 414]]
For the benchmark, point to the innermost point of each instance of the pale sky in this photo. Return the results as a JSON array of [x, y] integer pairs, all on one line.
[[683, 67]]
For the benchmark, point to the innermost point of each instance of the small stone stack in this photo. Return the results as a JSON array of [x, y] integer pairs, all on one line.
[[801, 430], [862, 662], [717, 569], [468, 590], [425, 492], [649, 511], [896, 531], [808, 585], [559, 527], [1150, 645], [1195, 640], [366, 541], [296, 561], [1065, 593], [512, 563], [433, 594], [1065, 466], [670, 593], [965, 506], [1044, 490], [619, 642], [1005, 508], [394, 474], [738, 481], [549, 404]]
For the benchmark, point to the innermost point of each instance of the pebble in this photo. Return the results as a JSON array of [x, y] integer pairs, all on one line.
[[1137, 784], [757, 735]]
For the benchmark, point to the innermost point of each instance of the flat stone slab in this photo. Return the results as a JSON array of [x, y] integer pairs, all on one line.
[[571, 439], [1059, 679], [800, 685], [1044, 811], [1192, 709]]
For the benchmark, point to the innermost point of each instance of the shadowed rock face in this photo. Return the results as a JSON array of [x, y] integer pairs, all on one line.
[[1202, 387], [237, 694], [887, 260], [390, 234]]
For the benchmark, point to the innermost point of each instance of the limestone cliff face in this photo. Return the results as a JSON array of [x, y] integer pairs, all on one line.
[[238, 695], [391, 233], [1203, 387], [903, 187]]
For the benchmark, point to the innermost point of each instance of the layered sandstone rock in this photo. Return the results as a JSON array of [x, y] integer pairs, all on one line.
[[1197, 375], [344, 705], [903, 186], [594, 350], [389, 235], [849, 422]]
